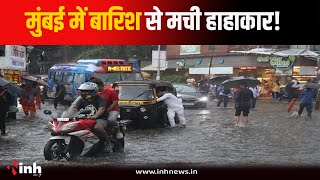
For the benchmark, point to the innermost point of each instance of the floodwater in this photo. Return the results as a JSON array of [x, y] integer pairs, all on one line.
[[273, 138]]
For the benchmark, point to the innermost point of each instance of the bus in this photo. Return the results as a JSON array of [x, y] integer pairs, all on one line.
[[74, 74]]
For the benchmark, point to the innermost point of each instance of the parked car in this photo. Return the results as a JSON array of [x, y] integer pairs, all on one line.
[[190, 95]]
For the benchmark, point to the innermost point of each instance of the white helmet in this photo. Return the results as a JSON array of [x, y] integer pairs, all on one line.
[[88, 86], [91, 87]]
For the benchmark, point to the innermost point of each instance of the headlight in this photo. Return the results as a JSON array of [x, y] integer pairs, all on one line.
[[203, 99], [68, 126], [142, 109], [51, 126]]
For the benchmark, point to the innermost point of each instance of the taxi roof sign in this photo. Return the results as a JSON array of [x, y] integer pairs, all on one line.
[[120, 68]]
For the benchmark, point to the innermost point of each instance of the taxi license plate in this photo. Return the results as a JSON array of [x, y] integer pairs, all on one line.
[[188, 103]]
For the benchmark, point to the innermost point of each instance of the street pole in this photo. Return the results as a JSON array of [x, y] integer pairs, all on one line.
[[317, 102], [28, 51], [212, 49], [318, 70], [158, 69], [210, 66]]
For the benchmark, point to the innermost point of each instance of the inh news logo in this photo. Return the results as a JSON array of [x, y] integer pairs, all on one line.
[[19, 168]]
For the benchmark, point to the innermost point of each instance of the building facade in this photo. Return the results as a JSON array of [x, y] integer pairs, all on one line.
[[201, 61]]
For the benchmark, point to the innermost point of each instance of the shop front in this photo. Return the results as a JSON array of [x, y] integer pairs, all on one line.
[[229, 65], [13, 63], [263, 67], [287, 68], [279, 68]]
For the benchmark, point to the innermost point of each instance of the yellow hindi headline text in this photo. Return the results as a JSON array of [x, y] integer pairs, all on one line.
[[114, 19]]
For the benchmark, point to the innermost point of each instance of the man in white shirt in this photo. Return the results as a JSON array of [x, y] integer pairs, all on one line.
[[174, 106], [255, 93], [292, 90]]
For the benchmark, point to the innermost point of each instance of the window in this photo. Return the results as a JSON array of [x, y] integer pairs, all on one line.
[[135, 92], [51, 75], [78, 77], [67, 77], [315, 48], [131, 76], [211, 47], [58, 76], [2, 52], [88, 76], [186, 89], [108, 78]]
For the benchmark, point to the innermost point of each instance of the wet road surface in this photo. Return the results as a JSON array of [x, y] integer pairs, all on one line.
[[272, 138]]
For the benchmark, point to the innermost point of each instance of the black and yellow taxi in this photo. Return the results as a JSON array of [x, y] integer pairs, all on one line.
[[138, 102]]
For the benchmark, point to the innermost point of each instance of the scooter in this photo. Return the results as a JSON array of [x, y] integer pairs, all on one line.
[[73, 137]]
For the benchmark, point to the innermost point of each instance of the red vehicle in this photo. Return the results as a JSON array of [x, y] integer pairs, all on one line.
[[73, 137]]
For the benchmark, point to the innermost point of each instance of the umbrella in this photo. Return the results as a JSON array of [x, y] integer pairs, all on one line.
[[42, 82], [214, 81], [235, 82], [218, 80], [312, 86], [34, 79], [10, 86]]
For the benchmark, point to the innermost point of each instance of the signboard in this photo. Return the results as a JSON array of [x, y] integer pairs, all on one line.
[[163, 59], [263, 59], [119, 68], [213, 70], [15, 58], [248, 67], [189, 49], [181, 63], [278, 62]]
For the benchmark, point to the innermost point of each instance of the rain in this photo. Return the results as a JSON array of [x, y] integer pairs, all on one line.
[[273, 138]]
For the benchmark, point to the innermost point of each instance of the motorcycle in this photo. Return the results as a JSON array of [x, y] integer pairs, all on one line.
[[73, 137]]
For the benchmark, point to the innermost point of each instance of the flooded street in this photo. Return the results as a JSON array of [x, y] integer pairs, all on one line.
[[272, 138]]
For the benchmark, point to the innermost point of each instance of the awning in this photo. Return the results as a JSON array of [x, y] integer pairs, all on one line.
[[283, 53], [230, 60], [213, 70], [145, 74], [296, 52], [151, 68]]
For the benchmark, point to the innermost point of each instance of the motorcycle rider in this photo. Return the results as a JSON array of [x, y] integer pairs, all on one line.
[[91, 101], [111, 98]]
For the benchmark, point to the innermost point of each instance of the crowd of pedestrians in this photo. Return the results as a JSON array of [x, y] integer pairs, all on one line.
[[244, 102]]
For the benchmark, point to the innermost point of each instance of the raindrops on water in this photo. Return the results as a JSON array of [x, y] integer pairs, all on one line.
[[272, 137]]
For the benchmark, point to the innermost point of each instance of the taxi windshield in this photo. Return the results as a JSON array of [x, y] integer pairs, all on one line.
[[135, 92]]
